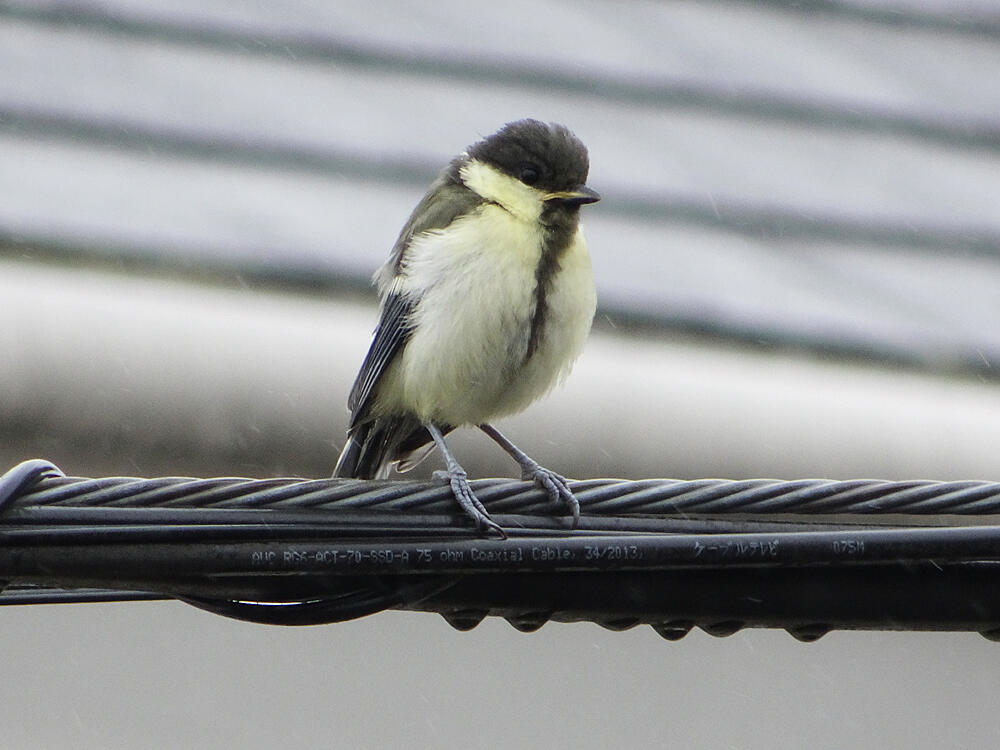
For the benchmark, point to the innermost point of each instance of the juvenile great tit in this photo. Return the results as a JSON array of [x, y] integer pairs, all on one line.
[[486, 301]]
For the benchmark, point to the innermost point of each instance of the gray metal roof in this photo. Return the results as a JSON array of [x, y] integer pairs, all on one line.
[[819, 174]]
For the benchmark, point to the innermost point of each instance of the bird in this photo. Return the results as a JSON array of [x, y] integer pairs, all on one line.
[[486, 301]]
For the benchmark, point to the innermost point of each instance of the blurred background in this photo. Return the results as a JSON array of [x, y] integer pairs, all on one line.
[[798, 264]]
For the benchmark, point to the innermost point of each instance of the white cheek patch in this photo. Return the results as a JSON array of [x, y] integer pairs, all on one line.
[[521, 200]]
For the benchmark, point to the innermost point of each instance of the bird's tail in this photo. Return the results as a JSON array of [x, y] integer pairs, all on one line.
[[372, 447], [347, 464]]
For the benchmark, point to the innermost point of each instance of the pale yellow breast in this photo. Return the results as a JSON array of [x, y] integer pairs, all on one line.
[[466, 360]]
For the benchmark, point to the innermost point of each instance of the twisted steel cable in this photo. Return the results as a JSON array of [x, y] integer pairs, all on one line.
[[604, 497], [39, 483]]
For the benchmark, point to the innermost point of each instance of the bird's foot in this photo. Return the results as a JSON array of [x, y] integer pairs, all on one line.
[[462, 490], [554, 484]]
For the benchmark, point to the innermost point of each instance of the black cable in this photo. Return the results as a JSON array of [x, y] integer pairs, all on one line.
[[22, 477], [349, 602], [28, 594], [293, 551]]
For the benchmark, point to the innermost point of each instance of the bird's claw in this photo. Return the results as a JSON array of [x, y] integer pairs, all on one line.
[[458, 480], [555, 485]]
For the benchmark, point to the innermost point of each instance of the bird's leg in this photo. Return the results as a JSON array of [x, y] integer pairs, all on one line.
[[554, 484], [456, 477]]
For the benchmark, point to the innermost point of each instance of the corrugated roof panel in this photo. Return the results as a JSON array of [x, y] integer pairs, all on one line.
[[825, 174], [710, 158], [855, 52]]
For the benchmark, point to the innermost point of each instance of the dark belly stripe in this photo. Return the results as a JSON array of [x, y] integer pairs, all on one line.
[[560, 227]]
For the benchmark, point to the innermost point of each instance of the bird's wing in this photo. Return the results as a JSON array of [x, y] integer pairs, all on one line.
[[446, 199], [390, 334]]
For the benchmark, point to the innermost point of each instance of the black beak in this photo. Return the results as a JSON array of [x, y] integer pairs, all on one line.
[[576, 197]]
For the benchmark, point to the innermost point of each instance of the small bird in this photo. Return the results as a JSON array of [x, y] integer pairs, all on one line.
[[486, 301]]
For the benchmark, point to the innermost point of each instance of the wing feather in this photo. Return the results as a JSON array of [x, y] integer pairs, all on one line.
[[391, 333], [445, 200]]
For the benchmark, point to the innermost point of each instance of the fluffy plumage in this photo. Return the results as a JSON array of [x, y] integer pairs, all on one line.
[[487, 299]]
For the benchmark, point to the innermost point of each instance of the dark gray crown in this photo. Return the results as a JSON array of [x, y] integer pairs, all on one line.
[[543, 155]]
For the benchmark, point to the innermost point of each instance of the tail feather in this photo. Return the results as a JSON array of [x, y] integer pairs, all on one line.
[[347, 464], [373, 447]]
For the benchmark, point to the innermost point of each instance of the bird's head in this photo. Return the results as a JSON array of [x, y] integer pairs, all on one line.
[[531, 169]]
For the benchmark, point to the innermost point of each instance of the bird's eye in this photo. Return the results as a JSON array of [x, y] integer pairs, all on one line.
[[529, 175]]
